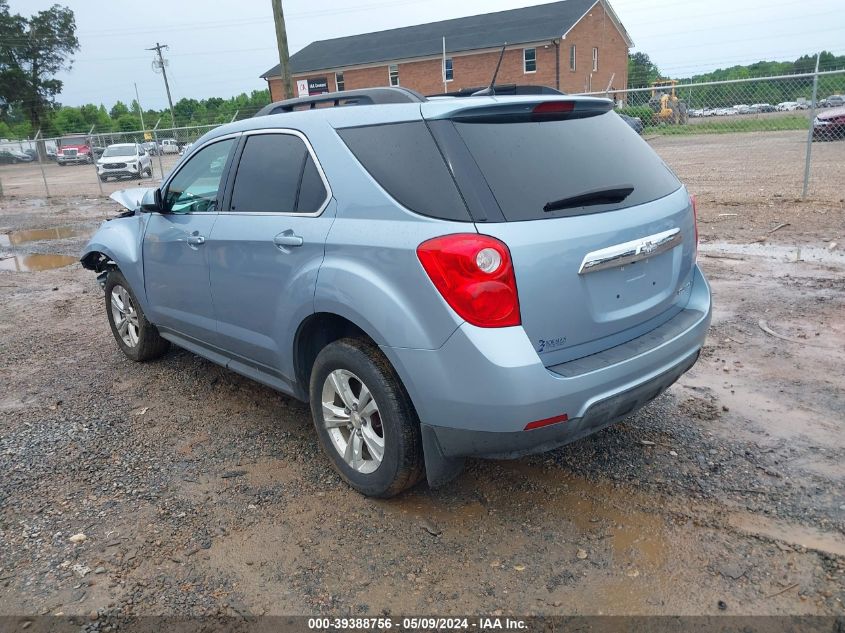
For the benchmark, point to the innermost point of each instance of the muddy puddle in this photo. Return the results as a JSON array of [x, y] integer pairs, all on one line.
[[17, 238], [36, 262]]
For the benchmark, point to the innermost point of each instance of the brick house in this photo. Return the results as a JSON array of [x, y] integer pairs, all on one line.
[[573, 45]]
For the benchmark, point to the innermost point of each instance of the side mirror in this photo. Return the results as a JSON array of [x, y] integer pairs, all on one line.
[[152, 202]]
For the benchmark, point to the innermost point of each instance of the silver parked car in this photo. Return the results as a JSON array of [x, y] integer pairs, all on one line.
[[486, 276]]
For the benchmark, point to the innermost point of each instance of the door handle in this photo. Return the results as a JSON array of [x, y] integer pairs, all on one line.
[[287, 238], [196, 240]]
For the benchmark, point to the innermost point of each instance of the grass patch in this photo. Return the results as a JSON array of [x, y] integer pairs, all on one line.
[[713, 125]]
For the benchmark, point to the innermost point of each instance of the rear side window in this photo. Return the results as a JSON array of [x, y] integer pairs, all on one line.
[[529, 165], [403, 158], [274, 176]]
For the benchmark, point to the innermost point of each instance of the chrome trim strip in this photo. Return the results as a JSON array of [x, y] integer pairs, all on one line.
[[630, 252]]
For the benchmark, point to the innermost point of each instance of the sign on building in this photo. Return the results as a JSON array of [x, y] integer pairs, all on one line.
[[313, 86]]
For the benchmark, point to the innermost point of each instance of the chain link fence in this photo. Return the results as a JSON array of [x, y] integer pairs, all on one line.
[[744, 138], [734, 138]]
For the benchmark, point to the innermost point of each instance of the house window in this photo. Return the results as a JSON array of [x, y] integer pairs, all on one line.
[[448, 73], [595, 59], [572, 58], [529, 60], [393, 71], [338, 80]]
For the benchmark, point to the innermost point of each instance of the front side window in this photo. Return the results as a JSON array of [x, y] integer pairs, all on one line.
[[529, 60], [572, 58], [595, 59], [195, 187], [339, 82], [276, 174], [448, 72], [393, 71]]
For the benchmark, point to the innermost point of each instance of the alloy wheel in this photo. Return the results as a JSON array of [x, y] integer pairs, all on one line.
[[125, 316], [351, 418]]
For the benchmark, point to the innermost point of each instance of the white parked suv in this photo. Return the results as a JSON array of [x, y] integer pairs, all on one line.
[[124, 160]]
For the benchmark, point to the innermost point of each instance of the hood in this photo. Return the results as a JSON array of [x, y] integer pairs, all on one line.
[[78, 148], [119, 159], [833, 113], [130, 198]]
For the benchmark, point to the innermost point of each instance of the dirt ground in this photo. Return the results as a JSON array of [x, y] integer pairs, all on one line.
[[200, 492]]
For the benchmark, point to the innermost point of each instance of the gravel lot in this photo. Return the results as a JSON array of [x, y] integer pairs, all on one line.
[[201, 493]]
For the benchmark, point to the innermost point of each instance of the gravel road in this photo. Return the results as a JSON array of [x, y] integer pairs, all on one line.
[[179, 488]]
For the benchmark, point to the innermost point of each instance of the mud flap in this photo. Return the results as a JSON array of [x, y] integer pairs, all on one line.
[[439, 469]]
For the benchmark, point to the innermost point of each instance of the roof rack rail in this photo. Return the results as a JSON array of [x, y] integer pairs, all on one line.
[[365, 96], [502, 90]]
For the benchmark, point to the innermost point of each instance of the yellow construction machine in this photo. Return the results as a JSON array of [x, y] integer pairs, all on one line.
[[666, 105]]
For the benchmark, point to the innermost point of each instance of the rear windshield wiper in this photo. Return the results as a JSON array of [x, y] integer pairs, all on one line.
[[599, 196]]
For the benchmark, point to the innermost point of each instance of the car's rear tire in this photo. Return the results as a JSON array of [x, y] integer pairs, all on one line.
[[385, 456], [136, 337]]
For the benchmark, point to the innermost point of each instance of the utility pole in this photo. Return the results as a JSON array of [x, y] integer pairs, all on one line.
[[140, 109], [282, 41], [161, 64]]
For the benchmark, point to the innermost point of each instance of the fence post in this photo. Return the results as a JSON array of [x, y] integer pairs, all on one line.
[[40, 164], [158, 151], [94, 159], [810, 130], [234, 116]]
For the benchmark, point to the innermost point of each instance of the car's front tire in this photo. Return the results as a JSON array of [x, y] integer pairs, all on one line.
[[136, 337], [364, 418]]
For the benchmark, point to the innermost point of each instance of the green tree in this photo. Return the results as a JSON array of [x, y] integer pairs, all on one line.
[[32, 51], [641, 70], [118, 110]]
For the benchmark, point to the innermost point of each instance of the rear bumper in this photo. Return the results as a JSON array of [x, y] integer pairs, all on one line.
[[477, 393]]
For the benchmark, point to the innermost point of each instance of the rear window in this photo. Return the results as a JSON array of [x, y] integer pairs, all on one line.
[[403, 158], [529, 165]]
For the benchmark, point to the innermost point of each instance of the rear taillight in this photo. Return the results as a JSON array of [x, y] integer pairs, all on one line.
[[474, 273], [694, 222]]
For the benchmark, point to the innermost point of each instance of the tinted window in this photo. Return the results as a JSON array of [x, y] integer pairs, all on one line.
[[269, 173], [312, 192], [405, 161], [194, 187], [530, 164]]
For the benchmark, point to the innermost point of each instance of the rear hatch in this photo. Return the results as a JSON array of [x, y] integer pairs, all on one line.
[[601, 232]]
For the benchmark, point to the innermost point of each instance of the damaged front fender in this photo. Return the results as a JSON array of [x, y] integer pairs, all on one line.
[[118, 244]]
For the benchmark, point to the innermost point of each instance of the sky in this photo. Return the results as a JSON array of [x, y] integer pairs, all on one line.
[[220, 49]]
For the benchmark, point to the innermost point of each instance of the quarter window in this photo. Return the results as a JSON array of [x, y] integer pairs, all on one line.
[[529, 60], [393, 71], [572, 58], [448, 73], [338, 80], [194, 188], [269, 175]]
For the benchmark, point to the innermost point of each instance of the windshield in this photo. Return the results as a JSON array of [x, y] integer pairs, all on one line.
[[119, 150], [569, 167], [74, 140]]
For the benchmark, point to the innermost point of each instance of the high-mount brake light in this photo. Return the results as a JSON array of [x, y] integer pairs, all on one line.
[[474, 274], [554, 107]]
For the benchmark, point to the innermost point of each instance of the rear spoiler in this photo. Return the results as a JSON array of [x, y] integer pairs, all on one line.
[[532, 111]]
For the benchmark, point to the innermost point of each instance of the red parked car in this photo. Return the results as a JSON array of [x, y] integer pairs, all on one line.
[[829, 125]]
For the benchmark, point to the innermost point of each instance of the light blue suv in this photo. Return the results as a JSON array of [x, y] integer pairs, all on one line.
[[440, 278]]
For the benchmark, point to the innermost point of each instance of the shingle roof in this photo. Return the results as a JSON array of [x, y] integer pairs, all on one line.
[[516, 26]]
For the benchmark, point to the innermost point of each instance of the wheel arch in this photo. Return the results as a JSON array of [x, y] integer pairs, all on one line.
[[315, 332]]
